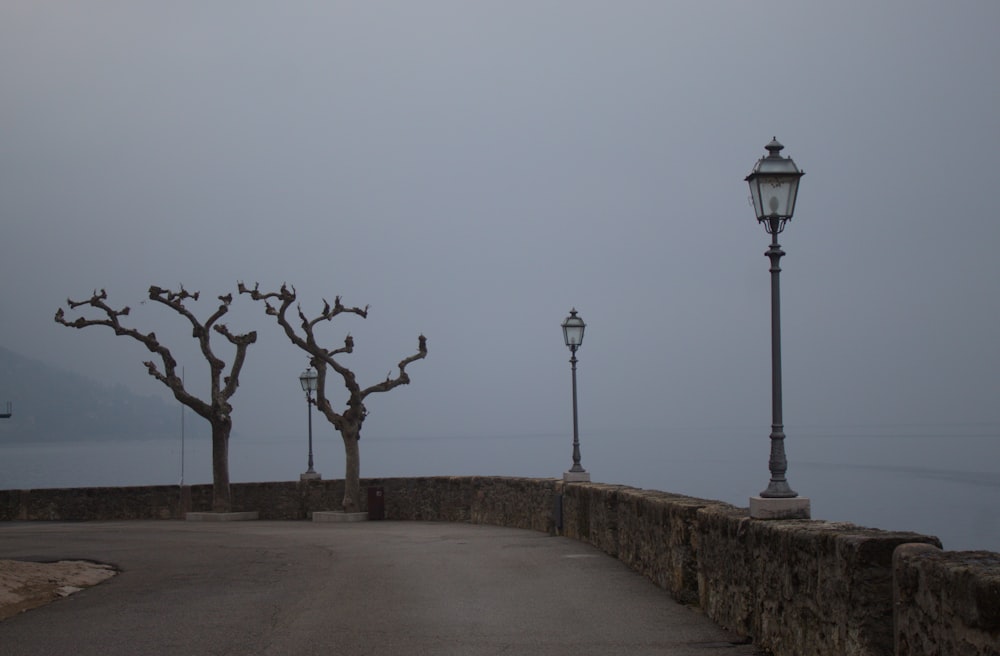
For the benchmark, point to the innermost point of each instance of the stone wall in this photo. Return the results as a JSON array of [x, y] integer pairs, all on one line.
[[796, 587], [946, 602], [154, 502], [654, 533], [513, 502], [804, 587]]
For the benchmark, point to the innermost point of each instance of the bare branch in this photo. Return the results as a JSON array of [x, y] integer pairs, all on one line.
[[403, 378], [168, 377], [175, 300], [306, 340]]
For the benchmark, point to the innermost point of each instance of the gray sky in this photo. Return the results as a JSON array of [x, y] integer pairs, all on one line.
[[472, 170]]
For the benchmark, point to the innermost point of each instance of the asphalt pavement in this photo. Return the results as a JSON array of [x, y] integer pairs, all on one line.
[[379, 588]]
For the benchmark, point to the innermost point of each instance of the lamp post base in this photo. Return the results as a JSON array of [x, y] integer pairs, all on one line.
[[576, 477], [310, 476], [771, 508]]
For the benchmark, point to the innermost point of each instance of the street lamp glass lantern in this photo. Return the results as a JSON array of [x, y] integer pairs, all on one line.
[[308, 380], [573, 328], [774, 185]]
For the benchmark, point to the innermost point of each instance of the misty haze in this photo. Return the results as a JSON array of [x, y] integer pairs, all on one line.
[[472, 171]]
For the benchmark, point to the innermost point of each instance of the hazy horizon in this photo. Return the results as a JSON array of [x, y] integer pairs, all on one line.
[[472, 171]]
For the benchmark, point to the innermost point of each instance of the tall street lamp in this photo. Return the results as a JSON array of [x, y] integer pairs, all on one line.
[[308, 380], [774, 186], [573, 328]]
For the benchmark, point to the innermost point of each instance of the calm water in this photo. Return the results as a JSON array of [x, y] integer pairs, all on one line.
[[944, 487]]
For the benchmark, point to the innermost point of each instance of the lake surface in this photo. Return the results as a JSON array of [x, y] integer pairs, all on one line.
[[948, 487]]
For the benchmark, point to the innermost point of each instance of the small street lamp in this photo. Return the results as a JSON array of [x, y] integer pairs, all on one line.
[[573, 328], [774, 186], [308, 380]]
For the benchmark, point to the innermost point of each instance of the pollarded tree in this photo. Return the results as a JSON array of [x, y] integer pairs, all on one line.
[[348, 422], [217, 409]]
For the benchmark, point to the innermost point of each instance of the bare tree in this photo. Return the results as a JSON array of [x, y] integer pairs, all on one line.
[[217, 410], [348, 423]]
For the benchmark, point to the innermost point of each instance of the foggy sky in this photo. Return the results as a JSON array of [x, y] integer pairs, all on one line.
[[474, 170]]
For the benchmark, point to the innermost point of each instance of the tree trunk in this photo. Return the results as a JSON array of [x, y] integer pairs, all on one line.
[[352, 470], [221, 498]]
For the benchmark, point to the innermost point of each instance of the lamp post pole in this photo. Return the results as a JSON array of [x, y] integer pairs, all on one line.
[[777, 487], [577, 467], [573, 328], [774, 184], [308, 381]]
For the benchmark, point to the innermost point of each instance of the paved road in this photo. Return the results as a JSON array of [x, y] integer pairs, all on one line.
[[380, 588]]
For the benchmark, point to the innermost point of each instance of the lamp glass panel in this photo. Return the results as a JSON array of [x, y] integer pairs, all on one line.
[[308, 380], [774, 196], [573, 332], [755, 197]]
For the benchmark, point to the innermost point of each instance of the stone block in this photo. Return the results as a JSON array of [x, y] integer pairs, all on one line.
[[767, 508], [222, 516], [946, 602], [339, 516]]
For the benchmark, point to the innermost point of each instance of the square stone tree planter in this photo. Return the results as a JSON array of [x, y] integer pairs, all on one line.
[[339, 516], [246, 516]]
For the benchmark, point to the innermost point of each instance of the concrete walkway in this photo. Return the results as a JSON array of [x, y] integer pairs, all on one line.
[[380, 588]]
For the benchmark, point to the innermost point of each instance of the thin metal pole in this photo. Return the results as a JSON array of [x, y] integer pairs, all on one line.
[[576, 468], [182, 431], [778, 464], [309, 405]]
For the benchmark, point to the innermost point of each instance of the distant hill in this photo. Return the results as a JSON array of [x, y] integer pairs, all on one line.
[[55, 405]]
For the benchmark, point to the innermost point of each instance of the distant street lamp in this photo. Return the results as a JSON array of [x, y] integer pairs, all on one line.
[[308, 380], [774, 186], [573, 328]]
